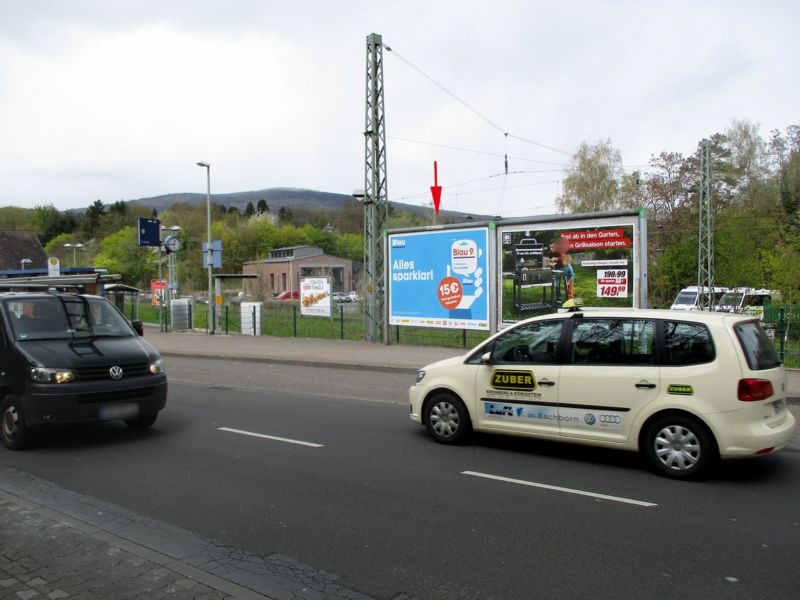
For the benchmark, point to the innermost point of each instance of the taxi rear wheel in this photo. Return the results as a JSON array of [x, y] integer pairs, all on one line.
[[13, 431], [679, 447], [447, 419]]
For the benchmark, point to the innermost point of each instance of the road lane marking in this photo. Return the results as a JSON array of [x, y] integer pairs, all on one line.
[[270, 437], [561, 489]]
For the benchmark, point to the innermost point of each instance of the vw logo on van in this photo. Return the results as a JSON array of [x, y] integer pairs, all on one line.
[[115, 372]]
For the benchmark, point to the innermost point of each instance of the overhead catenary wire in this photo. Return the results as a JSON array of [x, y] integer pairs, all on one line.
[[471, 108]]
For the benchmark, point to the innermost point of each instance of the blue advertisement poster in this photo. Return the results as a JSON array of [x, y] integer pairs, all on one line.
[[439, 279]]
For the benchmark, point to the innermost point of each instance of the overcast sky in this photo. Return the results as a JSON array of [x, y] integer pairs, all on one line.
[[117, 100]]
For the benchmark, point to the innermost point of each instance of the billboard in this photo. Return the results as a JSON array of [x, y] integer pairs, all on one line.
[[439, 278], [542, 264], [315, 296]]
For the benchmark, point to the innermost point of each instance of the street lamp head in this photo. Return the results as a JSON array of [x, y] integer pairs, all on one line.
[[202, 163]]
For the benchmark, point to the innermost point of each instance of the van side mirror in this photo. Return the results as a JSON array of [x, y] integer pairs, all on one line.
[[138, 327]]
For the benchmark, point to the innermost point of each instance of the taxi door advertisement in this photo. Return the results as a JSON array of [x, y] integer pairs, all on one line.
[[439, 279]]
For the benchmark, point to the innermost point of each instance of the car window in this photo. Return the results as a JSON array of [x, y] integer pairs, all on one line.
[[687, 344], [613, 342], [532, 343], [758, 349]]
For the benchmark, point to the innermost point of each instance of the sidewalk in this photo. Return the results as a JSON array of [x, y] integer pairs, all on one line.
[[298, 351], [58, 544], [326, 353]]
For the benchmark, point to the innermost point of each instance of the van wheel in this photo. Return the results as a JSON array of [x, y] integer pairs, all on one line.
[[679, 447], [13, 430], [447, 419], [142, 422]]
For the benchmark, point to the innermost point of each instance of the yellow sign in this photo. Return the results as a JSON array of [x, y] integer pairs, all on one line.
[[508, 379]]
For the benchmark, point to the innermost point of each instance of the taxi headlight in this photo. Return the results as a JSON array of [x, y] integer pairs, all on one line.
[[157, 366], [420, 375], [46, 375]]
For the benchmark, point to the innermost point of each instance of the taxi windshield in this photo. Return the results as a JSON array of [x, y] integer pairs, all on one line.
[[57, 317]]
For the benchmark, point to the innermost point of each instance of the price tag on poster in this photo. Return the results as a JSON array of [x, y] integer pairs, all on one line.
[[612, 283]]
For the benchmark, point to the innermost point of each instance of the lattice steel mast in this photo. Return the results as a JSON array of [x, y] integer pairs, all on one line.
[[375, 193], [705, 250]]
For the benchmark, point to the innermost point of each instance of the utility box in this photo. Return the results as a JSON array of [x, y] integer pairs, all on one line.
[[251, 317], [181, 313]]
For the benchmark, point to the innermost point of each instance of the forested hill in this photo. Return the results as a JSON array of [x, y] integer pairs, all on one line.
[[277, 198]]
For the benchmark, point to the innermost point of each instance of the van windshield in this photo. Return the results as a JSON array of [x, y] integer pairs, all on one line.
[[686, 299], [758, 348], [57, 317], [731, 299]]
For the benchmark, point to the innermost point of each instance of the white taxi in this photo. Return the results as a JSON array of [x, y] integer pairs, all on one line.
[[684, 389]]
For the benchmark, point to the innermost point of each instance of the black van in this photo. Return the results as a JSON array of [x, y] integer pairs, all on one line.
[[72, 358]]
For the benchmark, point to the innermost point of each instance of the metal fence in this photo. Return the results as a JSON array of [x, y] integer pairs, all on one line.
[[283, 319], [348, 322], [783, 324]]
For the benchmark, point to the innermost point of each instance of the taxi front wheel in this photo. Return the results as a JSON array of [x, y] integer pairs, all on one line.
[[447, 419], [679, 447]]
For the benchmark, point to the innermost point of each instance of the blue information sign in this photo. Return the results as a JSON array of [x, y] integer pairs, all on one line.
[[149, 232]]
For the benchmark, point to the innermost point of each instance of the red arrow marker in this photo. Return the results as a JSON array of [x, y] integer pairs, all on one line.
[[436, 189]]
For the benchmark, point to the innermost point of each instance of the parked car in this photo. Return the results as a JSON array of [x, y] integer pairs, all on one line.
[[70, 358], [288, 295], [340, 297], [354, 297], [683, 389]]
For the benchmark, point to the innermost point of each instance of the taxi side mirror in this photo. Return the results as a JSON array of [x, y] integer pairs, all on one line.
[[486, 359]]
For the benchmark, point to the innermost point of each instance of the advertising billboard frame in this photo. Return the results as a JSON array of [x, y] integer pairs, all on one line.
[[541, 269], [440, 276]]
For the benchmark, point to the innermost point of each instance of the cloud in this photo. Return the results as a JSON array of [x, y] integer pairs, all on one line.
[[119, 100]]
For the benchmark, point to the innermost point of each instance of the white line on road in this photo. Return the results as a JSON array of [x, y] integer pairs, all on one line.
[[270, 437], [560, 489]]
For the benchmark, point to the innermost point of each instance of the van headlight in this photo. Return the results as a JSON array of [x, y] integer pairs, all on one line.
[[46, 375], [157, 366], [420, 375]]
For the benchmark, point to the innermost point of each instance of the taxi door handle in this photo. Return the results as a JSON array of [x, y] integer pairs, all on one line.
[[546, 382], [643, 385]]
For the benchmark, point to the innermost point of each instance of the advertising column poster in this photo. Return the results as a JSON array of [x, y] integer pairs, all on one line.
[[439, 279]]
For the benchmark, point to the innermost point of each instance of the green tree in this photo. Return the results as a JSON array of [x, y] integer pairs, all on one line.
[[119, 253], [90, 224], [591, 183]]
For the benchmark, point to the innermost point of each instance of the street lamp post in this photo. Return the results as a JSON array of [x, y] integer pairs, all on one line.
[[74, 249], [25, 261], [212, 302]]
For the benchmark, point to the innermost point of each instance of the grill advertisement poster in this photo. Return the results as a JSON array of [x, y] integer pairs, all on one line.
[[439, 279], [543, 268]]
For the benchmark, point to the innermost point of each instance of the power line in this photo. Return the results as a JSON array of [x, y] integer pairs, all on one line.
[[470, 150], [471, 108]]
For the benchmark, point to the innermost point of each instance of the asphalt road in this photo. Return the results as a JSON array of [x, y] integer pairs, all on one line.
[[347, 484]]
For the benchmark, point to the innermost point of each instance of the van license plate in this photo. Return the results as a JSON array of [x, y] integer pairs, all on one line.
[[779, 405], [126, 410]]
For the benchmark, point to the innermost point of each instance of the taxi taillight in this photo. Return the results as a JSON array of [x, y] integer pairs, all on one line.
[[752, 389]]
